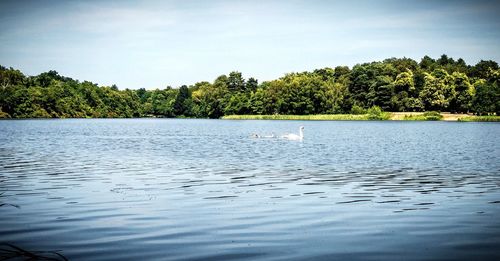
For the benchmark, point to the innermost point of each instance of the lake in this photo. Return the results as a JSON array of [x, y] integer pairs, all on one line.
[[182, 189]]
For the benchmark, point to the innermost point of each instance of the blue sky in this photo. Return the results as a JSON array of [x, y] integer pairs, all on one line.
[[153, 44]]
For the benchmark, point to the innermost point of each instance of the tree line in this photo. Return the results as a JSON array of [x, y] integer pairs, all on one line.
[[395, 84]]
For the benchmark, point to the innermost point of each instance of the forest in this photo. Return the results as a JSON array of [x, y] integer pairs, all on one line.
[[394, 84]]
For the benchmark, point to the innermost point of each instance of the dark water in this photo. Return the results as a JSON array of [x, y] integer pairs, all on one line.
[[203, 190]]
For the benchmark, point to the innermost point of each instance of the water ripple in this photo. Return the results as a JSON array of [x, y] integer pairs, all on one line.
[[200, 189]]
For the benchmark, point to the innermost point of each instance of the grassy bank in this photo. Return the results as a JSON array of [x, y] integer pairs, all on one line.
[[481, 118], [426, 116], [429, 116], [317, 117]]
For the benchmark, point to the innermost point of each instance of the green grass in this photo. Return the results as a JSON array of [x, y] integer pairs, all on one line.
[[415, 118], [481, 118], [426, 116], [317, 117]]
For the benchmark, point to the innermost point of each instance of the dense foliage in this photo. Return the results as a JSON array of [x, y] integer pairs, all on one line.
[[396, 84]]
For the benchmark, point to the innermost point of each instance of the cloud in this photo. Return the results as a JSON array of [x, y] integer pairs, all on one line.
[[108, 20], [178, 42]]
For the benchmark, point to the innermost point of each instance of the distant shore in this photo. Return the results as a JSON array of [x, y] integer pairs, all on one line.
[[382, 116], [393, 116]]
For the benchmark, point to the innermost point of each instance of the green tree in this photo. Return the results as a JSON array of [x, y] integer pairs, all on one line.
[[437, 93], [252, 84], [366, 78], [402, 64], [487, 97], [235, 82], [427, 64], [465, 91], [406, 96], [181, 102], [237, 104], [381, 92], [210, 99], [482, 69]]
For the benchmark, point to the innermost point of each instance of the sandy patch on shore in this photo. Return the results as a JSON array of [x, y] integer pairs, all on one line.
[[399, 116]]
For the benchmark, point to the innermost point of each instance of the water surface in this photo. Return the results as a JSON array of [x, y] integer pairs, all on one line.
[[204, 190]]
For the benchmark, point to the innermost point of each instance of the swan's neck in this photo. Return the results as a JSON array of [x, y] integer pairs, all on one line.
[[301, 133]]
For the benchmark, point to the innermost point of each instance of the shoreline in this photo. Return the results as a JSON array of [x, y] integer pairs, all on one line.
[[386, 116], [393, 116]]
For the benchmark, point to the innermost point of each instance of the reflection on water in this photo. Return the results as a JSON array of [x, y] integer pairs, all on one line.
[[203, 189]]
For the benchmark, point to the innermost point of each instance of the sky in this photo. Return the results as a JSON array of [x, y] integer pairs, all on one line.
[[154, 44]]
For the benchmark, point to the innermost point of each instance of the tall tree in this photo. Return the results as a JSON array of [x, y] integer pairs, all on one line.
[[405, 97], [482, 69], [252, 84], [181, 102], [437, 93], [487, 97], [462, 101], [235, 82]]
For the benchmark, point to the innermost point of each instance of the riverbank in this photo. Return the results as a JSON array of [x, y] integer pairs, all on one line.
[[316, 117], [393, 116]]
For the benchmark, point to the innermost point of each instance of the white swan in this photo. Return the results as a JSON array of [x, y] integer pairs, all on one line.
[[295, 136]]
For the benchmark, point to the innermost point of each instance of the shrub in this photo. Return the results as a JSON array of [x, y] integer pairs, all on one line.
[[376, 113], [357, 110], [40, 113], [433, 116]]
